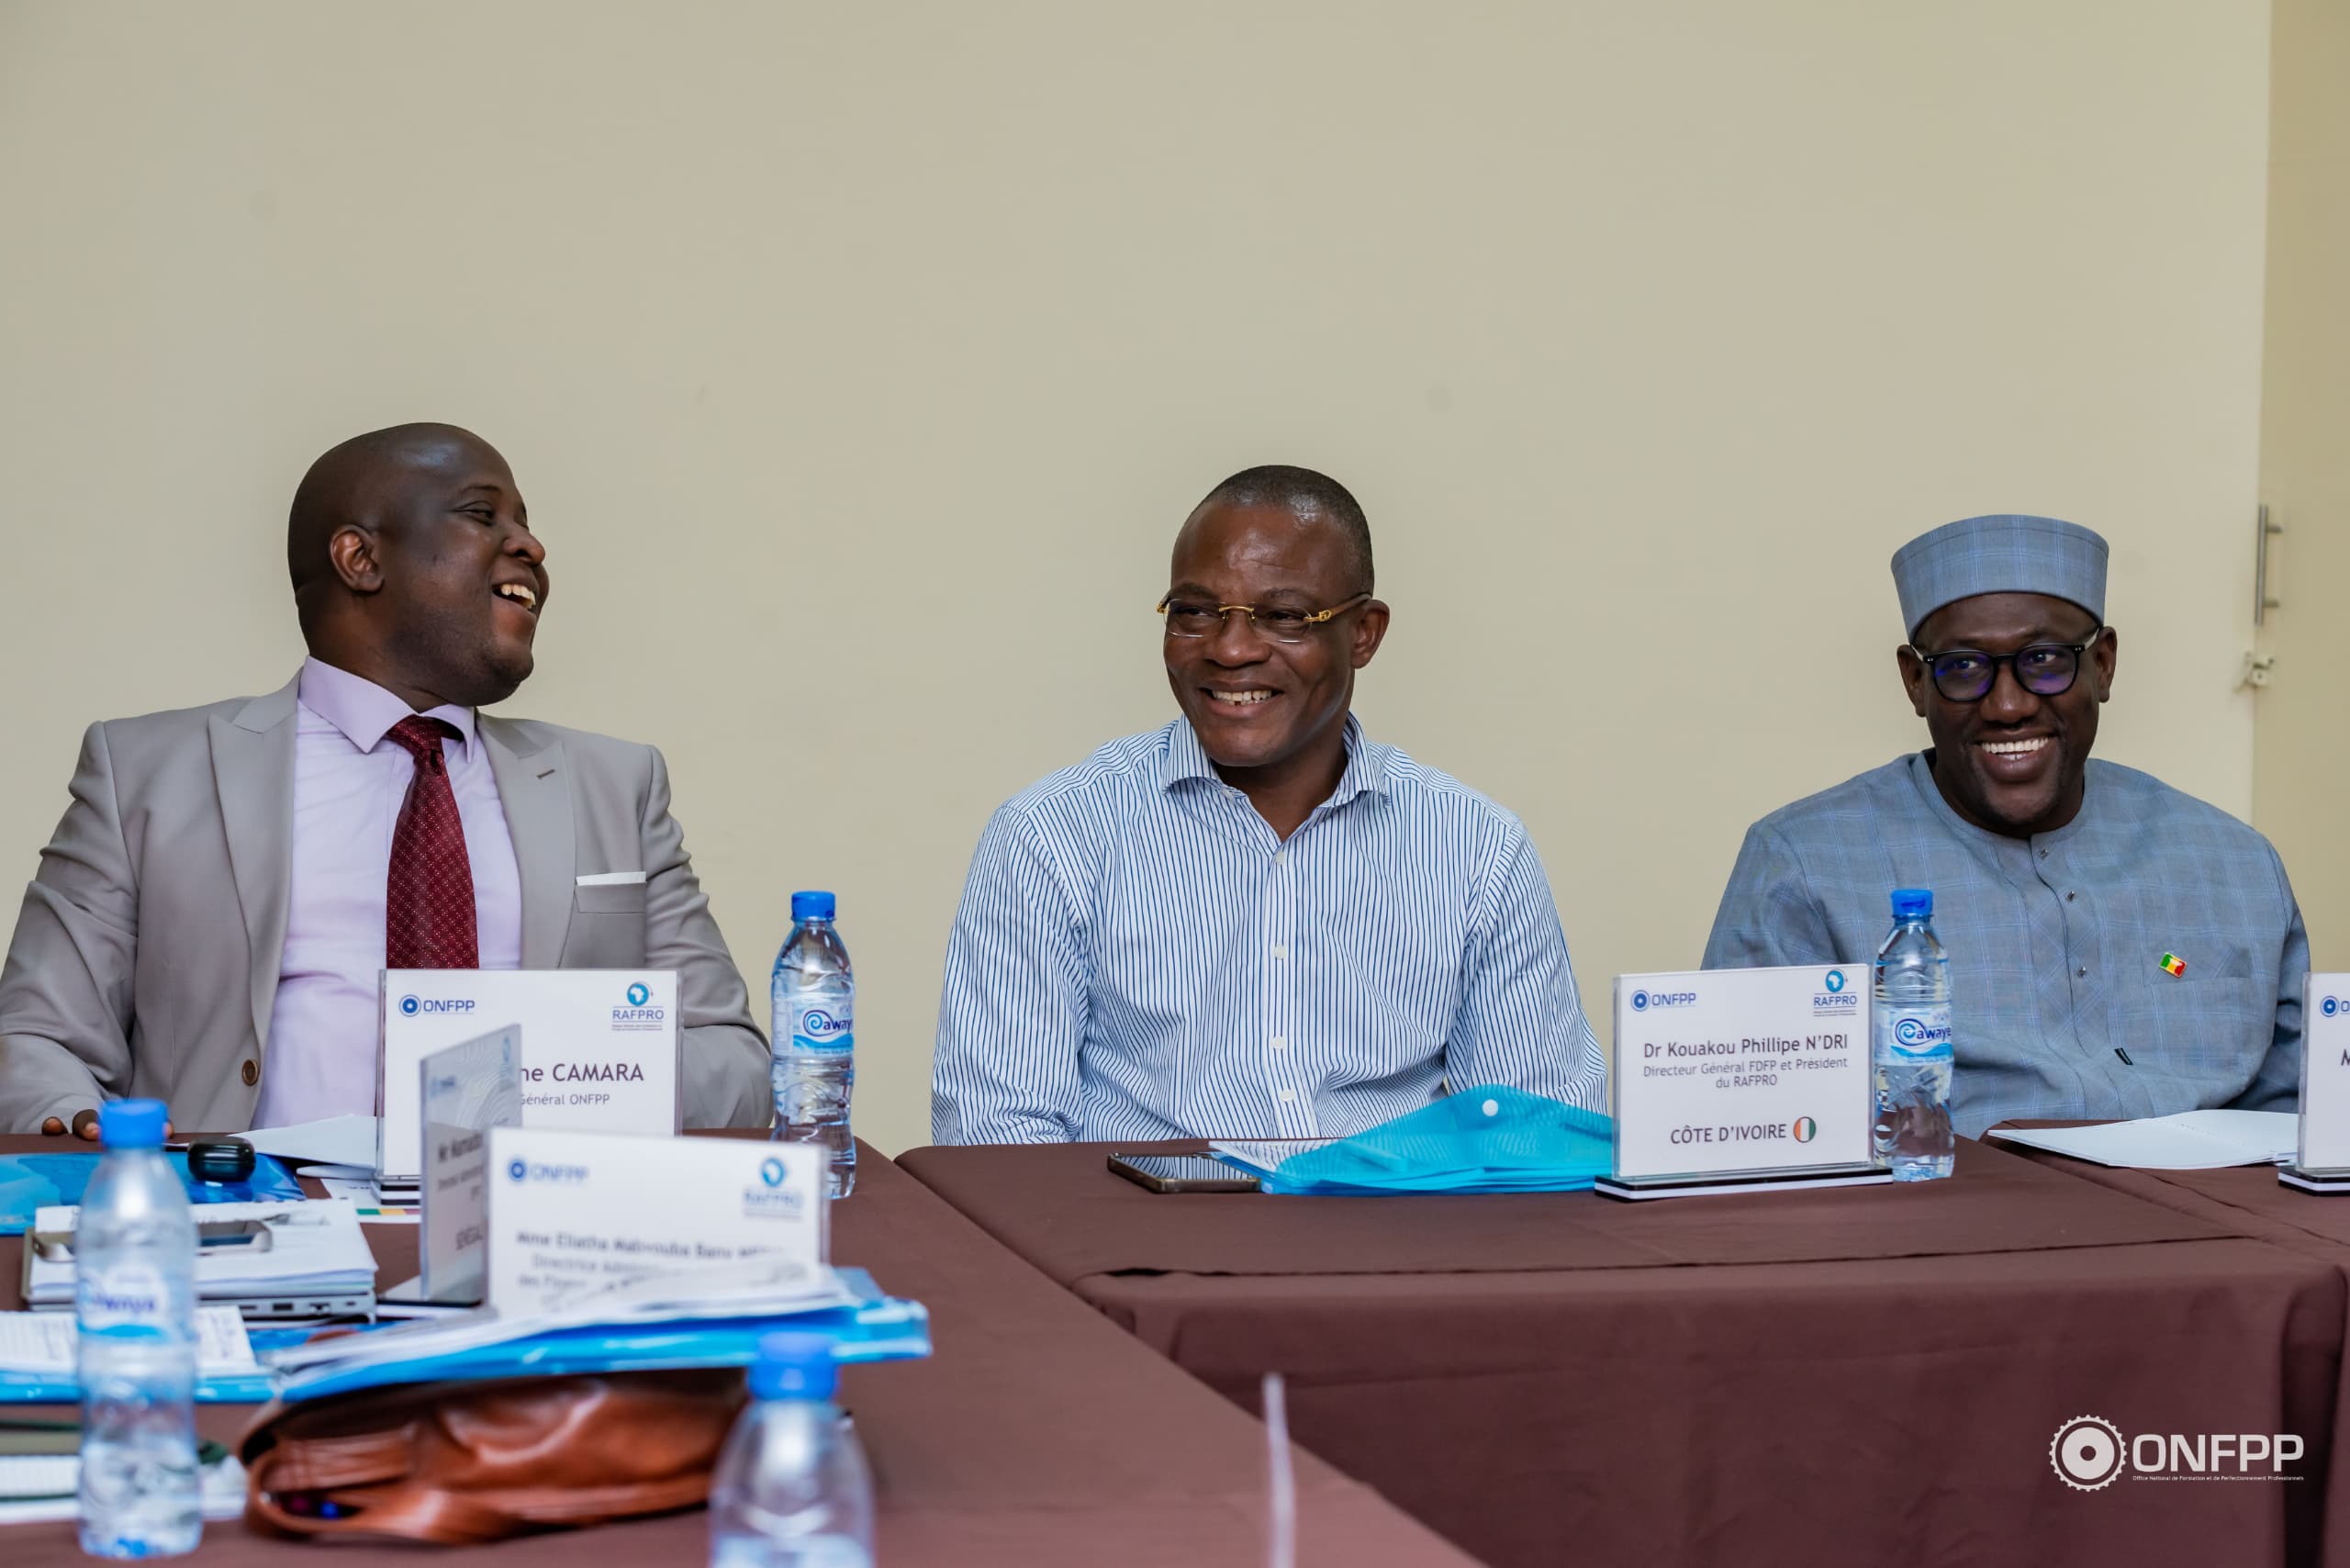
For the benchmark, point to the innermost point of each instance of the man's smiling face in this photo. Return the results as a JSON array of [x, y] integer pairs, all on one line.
[[2012, 762], [1257, 703]]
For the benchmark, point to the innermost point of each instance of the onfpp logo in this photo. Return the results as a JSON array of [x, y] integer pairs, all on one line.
[[409, 1004], [1835, 981], [771, 1173], [1805, 1129], [2330, 1006], [1639, 1001], [2087, 1453], [516, 1170], [638, 994]]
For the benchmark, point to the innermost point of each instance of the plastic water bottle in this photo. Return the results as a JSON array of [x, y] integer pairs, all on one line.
[[134, 1308], [814, 1037], [791, 1489], [1910, 1045]]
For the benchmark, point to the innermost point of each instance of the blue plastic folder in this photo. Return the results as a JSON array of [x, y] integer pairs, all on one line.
[[874, 1327], [1494, 1139], [30, 1181]]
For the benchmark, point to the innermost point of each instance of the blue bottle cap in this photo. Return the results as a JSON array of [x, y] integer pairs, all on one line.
[[131, 1123], [1913, 903], [812, 906], [794, 1364]]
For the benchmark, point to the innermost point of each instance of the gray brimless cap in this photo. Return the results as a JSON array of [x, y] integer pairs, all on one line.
[[2006, 553]]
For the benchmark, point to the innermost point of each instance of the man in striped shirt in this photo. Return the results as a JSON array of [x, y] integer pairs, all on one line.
[[1255, 922]]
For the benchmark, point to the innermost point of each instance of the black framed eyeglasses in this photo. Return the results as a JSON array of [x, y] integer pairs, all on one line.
[[2045, 670], [1186, 619]]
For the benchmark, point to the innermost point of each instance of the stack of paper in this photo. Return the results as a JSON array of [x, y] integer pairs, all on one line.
[[37, 1487], [37, 1364], [317, 1262], [2189, 1140]]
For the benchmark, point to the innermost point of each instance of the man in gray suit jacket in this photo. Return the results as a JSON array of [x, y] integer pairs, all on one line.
[[208, 921]]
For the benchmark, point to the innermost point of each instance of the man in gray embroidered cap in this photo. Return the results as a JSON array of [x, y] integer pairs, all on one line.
[[2117, 949]]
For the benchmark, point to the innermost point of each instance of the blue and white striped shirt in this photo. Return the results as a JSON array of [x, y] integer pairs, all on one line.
[[1138, 957]]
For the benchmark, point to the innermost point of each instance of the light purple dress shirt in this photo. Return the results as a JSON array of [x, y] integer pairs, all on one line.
[[348, 781]]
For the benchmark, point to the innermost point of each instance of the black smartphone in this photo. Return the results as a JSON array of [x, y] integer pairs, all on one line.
[[1181, 1173]]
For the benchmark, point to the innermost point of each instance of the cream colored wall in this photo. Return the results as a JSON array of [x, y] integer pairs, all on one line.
[[859, 363], [2305, 469]]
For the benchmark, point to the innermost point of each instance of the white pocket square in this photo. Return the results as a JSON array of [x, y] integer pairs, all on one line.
[[611, 879]]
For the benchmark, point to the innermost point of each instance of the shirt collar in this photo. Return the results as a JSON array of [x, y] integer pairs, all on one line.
[[1366, 762], [363, 710], [1921, 775]]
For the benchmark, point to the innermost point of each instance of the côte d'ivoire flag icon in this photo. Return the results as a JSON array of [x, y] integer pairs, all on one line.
[[2173, 964]]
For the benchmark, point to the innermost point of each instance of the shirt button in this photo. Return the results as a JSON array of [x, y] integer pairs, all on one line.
[[1280, 951], [1281, 1041], [251, 1072], [2069, 897], [2043, 854], [1288, 1096], [1280, 856], [2081, 972]]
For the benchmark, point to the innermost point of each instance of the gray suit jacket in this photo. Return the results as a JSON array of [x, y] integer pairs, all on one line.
[[145, 960]]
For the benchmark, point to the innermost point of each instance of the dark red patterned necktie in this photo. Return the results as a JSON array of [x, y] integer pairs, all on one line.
[[429, 897]]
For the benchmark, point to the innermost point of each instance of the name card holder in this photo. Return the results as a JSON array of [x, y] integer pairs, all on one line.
[[1741, 1080], [599, 1051], [575, 1214], [2322, 1153]]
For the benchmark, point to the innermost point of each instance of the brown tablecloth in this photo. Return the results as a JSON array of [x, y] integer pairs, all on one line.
[[1037, 1434], [1866, 1377]]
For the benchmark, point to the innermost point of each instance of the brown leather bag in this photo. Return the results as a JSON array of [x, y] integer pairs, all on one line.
[[462, 1462]]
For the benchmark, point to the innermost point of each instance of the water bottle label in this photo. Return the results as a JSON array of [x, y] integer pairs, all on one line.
[[827, 1026], [1919, 1036], [128, 1301]]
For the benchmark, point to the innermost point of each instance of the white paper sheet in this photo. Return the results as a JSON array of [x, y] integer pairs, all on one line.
[[338, 1140], [43, 1342], [2190, 1140], [1264, 1155]]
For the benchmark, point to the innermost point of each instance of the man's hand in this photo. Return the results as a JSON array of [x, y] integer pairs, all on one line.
[[85, 1126]]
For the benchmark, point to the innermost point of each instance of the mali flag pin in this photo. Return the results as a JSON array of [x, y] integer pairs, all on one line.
[[2173, 963]]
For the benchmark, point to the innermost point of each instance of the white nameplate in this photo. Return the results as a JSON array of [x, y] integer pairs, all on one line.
[[599, 1049], [573, 1212], [466, 1090], [2325, 1074], [1741, 1071]]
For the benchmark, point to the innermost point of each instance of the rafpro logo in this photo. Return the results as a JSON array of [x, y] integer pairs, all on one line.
[[2089, 1453]]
